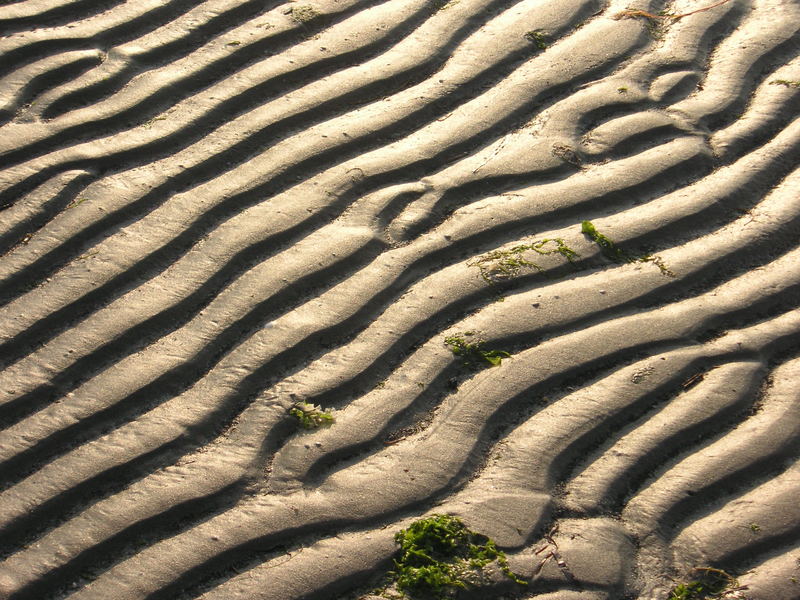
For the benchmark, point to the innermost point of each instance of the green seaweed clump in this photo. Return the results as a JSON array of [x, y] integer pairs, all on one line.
[[472, 353], [712, 583], [310, 416], [439, 556], [617, 254], [537, 38], [607, 247]]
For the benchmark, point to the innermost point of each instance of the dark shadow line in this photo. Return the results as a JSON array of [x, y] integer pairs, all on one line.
[[59, 202], [31, 275], [59, 15], [193, 83], [118, 34], [47, 81], [164, 387], [157, 56]]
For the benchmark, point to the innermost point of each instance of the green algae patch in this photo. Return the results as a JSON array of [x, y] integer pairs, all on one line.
[[309, 416], [613, 252], [607, 247], [505, 264], [537, 38], [439, 556], [786, 83], [471, 351], [711, 583]]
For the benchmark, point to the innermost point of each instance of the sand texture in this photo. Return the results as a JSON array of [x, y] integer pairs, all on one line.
[[212, 210]]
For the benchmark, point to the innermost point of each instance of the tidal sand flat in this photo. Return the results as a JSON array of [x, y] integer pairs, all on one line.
[[280, 280]]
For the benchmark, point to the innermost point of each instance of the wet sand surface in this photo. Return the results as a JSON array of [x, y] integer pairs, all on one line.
[[213, 210]]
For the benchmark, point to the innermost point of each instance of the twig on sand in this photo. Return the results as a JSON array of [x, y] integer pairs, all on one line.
[[626, 14], [693, 380], [553, 554]]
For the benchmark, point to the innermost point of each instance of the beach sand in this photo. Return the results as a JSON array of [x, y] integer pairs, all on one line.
[[216, 211]]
